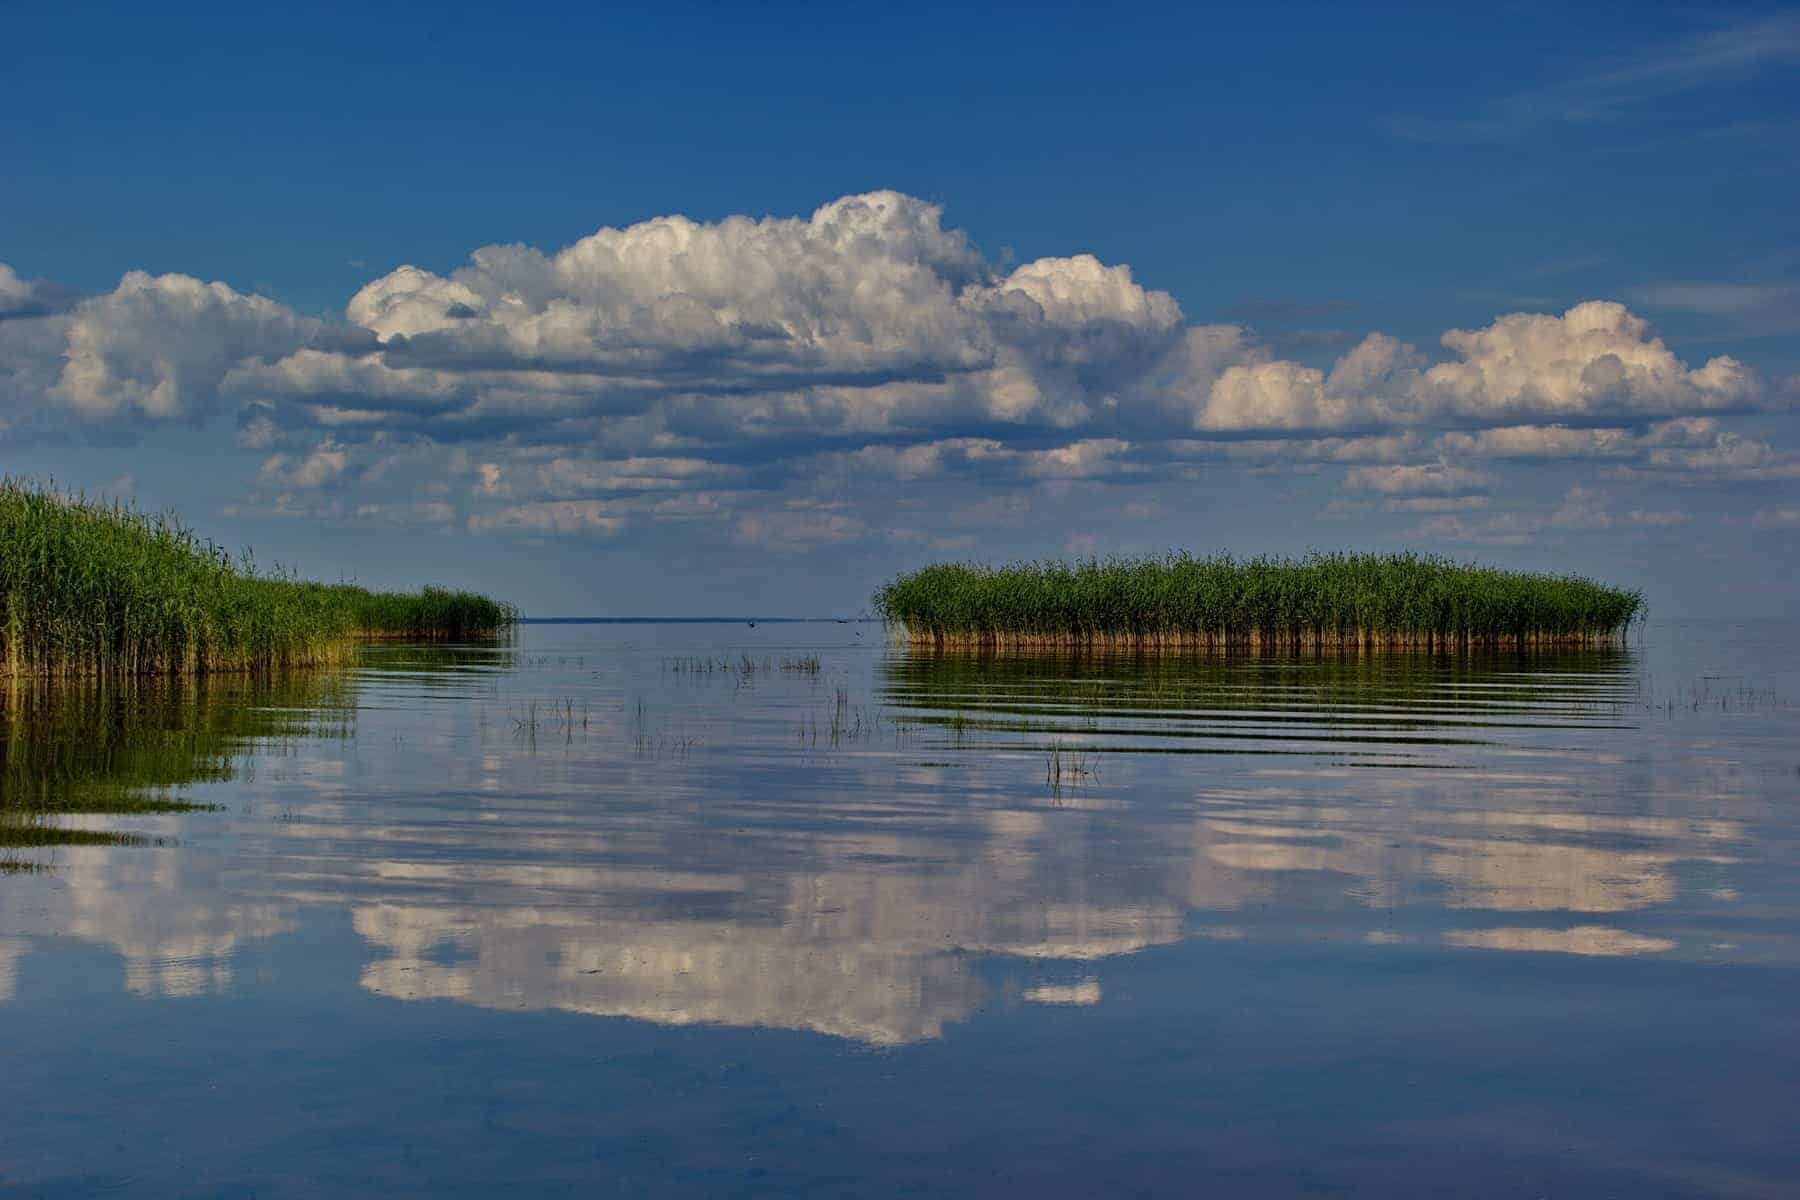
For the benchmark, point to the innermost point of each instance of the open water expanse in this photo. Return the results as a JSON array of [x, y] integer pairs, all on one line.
[[670, 910]]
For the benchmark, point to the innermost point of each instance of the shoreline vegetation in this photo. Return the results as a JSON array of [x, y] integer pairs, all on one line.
[[91, 587], [1320, 602]]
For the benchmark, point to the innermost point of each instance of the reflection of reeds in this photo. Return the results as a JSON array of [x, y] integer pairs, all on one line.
[[125, 746], [33, 831], [1321, 601], [131, 747], [1112, 699], [1064, 764], [90, 588], [844, 721], [744, 668]]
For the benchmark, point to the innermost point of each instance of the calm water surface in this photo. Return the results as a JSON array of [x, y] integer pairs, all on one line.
[[665, 910]]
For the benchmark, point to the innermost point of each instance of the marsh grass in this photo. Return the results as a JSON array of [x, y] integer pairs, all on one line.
[[745, 668], [95, 588], [1322, 601]]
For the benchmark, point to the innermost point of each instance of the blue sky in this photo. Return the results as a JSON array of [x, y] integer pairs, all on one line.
[[952, 281]]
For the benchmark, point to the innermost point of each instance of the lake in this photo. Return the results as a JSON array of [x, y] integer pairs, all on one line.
[[721, 910]]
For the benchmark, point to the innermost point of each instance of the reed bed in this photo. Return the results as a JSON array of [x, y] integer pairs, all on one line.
[[1320, 602], [92, 588]]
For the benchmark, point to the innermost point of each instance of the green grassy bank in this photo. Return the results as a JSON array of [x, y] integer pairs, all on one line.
[[1320, 601], [90, 588]]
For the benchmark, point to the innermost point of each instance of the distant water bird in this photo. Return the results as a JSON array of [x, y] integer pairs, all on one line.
[[751, 624]]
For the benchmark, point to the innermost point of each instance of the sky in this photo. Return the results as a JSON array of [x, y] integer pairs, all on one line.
[[693, 309]]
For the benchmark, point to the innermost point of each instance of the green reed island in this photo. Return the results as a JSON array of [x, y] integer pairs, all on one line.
[[1322, 601], [90, 588]]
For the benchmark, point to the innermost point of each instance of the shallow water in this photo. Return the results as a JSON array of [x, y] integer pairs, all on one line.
[[615, 908]]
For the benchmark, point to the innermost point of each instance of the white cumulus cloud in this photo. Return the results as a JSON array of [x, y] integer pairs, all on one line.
[[1596, 360], [1423, 479], [683, 370], [158, 346], [321, 465]]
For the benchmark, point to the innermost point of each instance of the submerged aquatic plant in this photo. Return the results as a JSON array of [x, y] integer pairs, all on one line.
[[1322, 600], [89, 587]]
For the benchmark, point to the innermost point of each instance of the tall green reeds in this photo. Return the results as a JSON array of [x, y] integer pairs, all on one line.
[[94, 588], [1320, 601]]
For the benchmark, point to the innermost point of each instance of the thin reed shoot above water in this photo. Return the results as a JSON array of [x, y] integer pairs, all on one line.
[[1320, 601]]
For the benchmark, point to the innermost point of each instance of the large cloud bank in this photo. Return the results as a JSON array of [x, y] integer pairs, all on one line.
[[679, 355]]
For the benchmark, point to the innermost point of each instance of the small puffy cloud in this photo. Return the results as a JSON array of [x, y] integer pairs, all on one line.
[[1374, 383], [565, 475], [1682, 431], [592, 518], [1378, 365], [1272, 396], [1078, 460], [1579, 510], [28, 365], [1437, 504], [407, 515], [1421, 479], [1687, 450], [1596, 360], [1277, 452], [1081, 544], [799, 526], [33, 327], [1082, 293], [925, 460], [1503, 529], [158, 346], [490, 479], [324, 464], [257, 430], [1586, 508], [1080, 314], [1087, 458], [1775, 518], [868, 286], [1727, 458], [1538, 443], [17, 296], [329, 380]]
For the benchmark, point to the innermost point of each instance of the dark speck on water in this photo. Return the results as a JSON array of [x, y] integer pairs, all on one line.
[[810, 914]]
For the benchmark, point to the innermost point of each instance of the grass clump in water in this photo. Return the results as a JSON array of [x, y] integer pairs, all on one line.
[[88, 588], [1321, 601]]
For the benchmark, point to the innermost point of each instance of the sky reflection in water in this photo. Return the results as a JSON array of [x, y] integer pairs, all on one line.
[[638, 822]]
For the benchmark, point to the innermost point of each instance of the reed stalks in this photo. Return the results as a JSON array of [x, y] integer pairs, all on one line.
[[100, 588], [1323, 601]]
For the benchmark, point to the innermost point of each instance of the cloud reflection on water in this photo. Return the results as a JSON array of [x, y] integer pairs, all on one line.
[[876, 890]]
